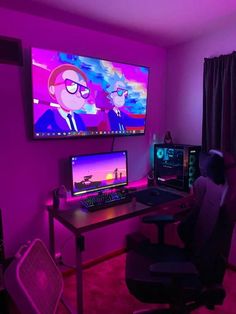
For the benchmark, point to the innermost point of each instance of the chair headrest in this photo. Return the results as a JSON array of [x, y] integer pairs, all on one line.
[[230, 168], [212, 165]]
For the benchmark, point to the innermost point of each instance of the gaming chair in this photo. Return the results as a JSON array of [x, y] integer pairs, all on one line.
[[190, 277]]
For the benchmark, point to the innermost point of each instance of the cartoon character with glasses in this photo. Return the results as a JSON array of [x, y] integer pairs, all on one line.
[[117, 118], [67, 85], [120, 120]]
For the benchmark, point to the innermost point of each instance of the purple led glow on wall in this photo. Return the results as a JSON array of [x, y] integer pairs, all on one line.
[[98, 171], [101, 97]]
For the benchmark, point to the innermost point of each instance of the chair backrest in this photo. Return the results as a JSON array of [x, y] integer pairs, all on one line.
[[214, 219], [210, 205], [229, 202]]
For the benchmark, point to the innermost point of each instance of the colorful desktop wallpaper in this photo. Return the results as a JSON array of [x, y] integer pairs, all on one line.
[[95, 172], [80, 96]]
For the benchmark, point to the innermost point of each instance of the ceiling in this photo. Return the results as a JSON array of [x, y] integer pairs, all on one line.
[[162, 22]]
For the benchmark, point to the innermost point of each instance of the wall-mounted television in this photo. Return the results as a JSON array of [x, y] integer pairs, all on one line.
[[77, 96], [96, 172]]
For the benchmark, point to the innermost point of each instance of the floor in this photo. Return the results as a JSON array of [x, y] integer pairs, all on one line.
[[105, 291]]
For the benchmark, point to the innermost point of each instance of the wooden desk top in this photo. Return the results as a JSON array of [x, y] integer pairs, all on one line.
[[79, 220]]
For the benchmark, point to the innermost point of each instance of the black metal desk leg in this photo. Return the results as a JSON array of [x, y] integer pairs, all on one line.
[[79, 243], [51, 234]]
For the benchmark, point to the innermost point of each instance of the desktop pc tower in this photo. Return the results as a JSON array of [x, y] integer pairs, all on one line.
[[176, 165]]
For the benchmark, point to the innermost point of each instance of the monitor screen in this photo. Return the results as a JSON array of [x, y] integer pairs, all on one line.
[[77, 96], [169, 166], [91, 173]]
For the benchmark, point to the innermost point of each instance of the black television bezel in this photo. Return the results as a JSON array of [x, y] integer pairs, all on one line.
[[89, 135], [102, 188]]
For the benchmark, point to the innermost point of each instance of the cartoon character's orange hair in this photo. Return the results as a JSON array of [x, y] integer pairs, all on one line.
[[60, 69]]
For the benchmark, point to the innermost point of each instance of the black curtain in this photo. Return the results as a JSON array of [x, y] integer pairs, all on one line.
[[219, 103]]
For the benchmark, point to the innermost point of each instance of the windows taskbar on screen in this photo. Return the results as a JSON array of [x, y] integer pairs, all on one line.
[[86, 133]]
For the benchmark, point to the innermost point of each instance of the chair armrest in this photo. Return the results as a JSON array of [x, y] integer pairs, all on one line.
[[158, 219], [174, 268]]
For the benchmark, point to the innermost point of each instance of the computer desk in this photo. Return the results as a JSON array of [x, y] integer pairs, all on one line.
[[79, 221]]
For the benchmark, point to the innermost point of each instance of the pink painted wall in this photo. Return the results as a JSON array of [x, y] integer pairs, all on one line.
[[185, 87], [185, 81], [30, 169]]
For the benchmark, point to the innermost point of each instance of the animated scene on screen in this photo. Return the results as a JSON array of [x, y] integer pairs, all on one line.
[[169, 165], [94, 172], [81, 96]]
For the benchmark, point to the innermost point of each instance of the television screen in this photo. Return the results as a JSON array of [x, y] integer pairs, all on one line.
[[97, 172], [76, 96]]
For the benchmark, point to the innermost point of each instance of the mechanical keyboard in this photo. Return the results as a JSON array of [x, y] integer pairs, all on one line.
[[100, 201]]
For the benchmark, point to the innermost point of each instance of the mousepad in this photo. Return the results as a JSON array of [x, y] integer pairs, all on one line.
[[155, 196]]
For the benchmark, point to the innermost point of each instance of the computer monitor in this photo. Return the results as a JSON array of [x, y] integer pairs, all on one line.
[[95, 172]]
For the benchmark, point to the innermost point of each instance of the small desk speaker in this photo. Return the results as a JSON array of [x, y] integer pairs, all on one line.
[[33, 280]]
